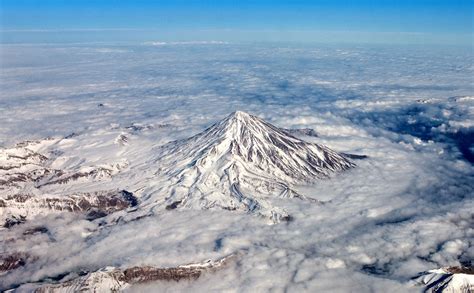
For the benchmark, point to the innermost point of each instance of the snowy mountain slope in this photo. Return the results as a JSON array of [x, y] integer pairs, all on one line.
[[33, 181], [19, 165], [23, 167], [238, 164], [447, 280], [21, 207]]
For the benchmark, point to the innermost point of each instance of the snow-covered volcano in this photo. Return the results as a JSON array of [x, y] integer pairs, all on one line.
[[237, 164]]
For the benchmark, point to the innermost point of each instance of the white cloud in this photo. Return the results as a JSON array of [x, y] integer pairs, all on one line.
[[406, 208]]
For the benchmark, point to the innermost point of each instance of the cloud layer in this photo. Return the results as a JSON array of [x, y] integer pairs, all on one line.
[[405, 209]]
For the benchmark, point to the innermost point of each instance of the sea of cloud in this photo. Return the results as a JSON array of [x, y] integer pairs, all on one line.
[[407, 208]]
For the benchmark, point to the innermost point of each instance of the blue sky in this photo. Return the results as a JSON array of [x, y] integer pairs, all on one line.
[[449, 21]]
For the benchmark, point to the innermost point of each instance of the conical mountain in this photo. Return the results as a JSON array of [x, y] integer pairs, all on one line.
[[237, 164]]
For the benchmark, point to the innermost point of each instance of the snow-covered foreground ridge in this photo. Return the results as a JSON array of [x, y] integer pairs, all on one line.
[[112, 279]]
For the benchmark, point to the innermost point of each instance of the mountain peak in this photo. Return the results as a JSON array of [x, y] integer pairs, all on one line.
[[240, 115], [237, 118], [245, 130], [238, 162]]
